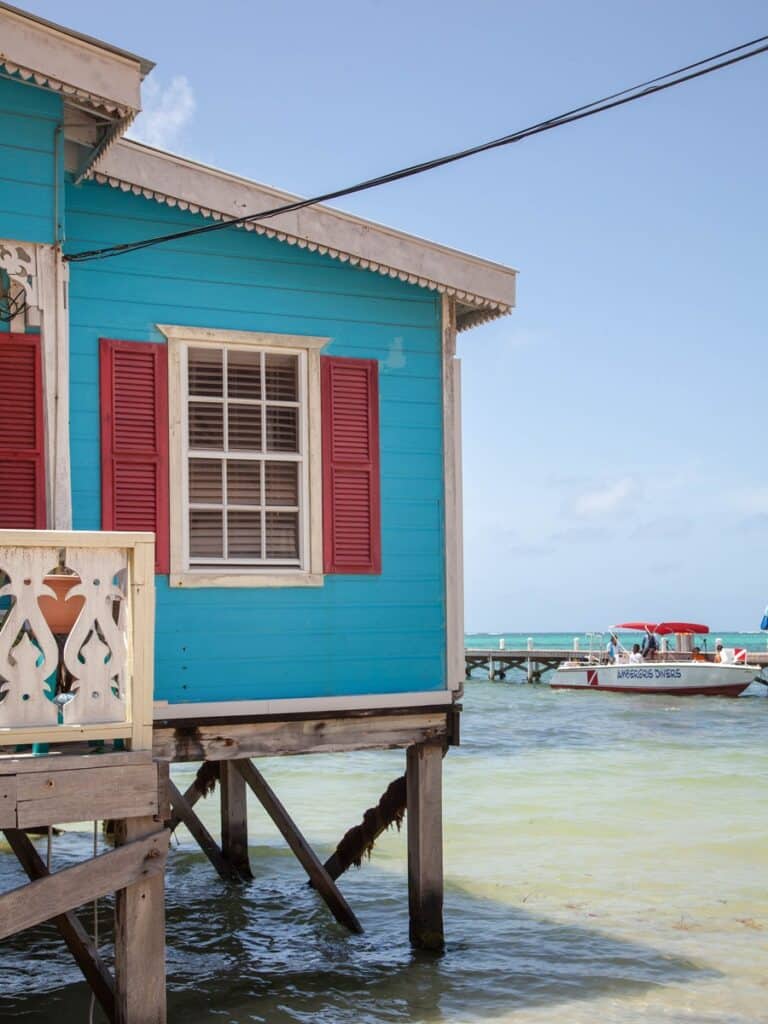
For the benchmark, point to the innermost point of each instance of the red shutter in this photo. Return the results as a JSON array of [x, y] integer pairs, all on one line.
[[22, 448], [134, 441], [351, 489]]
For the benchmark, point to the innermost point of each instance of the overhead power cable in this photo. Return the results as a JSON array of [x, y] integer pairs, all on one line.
[[705, 66]]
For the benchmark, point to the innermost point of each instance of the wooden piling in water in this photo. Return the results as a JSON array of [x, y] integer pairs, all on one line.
[[140, 936], [234, 818], [424, 781]]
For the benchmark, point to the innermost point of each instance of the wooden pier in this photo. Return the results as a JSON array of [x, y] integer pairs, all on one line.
[[530, 664], [129, 788], [133, 789]]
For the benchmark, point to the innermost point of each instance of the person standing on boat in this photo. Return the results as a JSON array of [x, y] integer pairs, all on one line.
[[636, 657], [614, 649], [650, 645]]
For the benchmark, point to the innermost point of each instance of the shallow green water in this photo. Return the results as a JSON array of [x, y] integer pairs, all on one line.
[[606, 860]]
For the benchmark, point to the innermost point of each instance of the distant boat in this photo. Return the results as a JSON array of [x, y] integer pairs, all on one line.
[[679, 673]]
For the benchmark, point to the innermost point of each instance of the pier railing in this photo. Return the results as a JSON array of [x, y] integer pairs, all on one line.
[[76, 637]]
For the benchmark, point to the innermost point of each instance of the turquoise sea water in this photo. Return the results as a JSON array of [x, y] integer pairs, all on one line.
[[606, 860]]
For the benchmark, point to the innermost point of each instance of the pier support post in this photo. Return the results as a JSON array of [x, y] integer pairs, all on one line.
[[424, 783], [140, 937], [234, 818]]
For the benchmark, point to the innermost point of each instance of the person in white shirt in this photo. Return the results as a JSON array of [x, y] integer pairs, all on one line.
[[635, 657], [723, 654], [613, 648]]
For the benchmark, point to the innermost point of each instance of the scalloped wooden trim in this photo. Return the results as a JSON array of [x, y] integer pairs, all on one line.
[[475, 317], [488, 309], [68, 91]]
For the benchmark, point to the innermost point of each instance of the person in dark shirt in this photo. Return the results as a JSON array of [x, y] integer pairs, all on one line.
[[650, 646]]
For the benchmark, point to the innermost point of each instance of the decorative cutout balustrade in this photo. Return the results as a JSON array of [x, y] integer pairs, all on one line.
[[76, 637]]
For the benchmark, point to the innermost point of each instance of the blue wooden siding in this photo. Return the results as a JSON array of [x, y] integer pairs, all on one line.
[[30, 162], [356, 634]]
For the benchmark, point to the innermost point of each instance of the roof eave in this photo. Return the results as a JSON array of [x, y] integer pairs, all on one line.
[[84, 71], [487, 288], [145, 65]]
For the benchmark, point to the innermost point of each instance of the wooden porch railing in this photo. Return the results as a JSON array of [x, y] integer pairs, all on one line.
[[76, 637]]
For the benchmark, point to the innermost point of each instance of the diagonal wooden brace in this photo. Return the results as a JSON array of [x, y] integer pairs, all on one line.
[[77, 939], [203, 784], [56, 894], [182, 811], [304, 853]]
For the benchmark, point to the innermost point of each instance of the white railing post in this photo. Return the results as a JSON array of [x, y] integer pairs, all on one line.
[[143, 593]]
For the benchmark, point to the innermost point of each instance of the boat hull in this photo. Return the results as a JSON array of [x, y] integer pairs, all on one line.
[[681, 679]]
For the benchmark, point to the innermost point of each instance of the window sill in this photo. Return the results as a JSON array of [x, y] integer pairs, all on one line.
[[246, 579]]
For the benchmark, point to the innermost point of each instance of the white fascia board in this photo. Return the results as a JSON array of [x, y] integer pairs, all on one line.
[[70, 64], [177, 181], [163, 710]]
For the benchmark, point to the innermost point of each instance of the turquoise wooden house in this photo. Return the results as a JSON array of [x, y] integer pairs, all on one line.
[[278, 405], [275, 405]]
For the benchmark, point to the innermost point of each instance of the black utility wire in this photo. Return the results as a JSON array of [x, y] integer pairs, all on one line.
[[684, 74]]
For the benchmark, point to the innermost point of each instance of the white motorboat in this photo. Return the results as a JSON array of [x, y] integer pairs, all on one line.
[[682, 672]]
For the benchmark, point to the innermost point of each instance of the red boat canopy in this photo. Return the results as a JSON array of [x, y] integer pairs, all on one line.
[[665, 628]]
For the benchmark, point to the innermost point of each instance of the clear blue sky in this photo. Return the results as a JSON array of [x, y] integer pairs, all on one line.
[[614, 425]]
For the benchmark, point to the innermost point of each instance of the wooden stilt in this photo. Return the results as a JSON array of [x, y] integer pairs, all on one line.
[[234, 818], [425, 845], [77, 939], [182, 812], [304, 853], [140, 937]]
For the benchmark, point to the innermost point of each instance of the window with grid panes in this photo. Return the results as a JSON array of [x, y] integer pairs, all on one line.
[[245, 457]]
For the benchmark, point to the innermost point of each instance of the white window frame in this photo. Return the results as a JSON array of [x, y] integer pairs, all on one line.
[[183, 574]]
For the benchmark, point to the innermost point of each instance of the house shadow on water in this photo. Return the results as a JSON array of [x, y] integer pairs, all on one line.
[[268, 951]]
